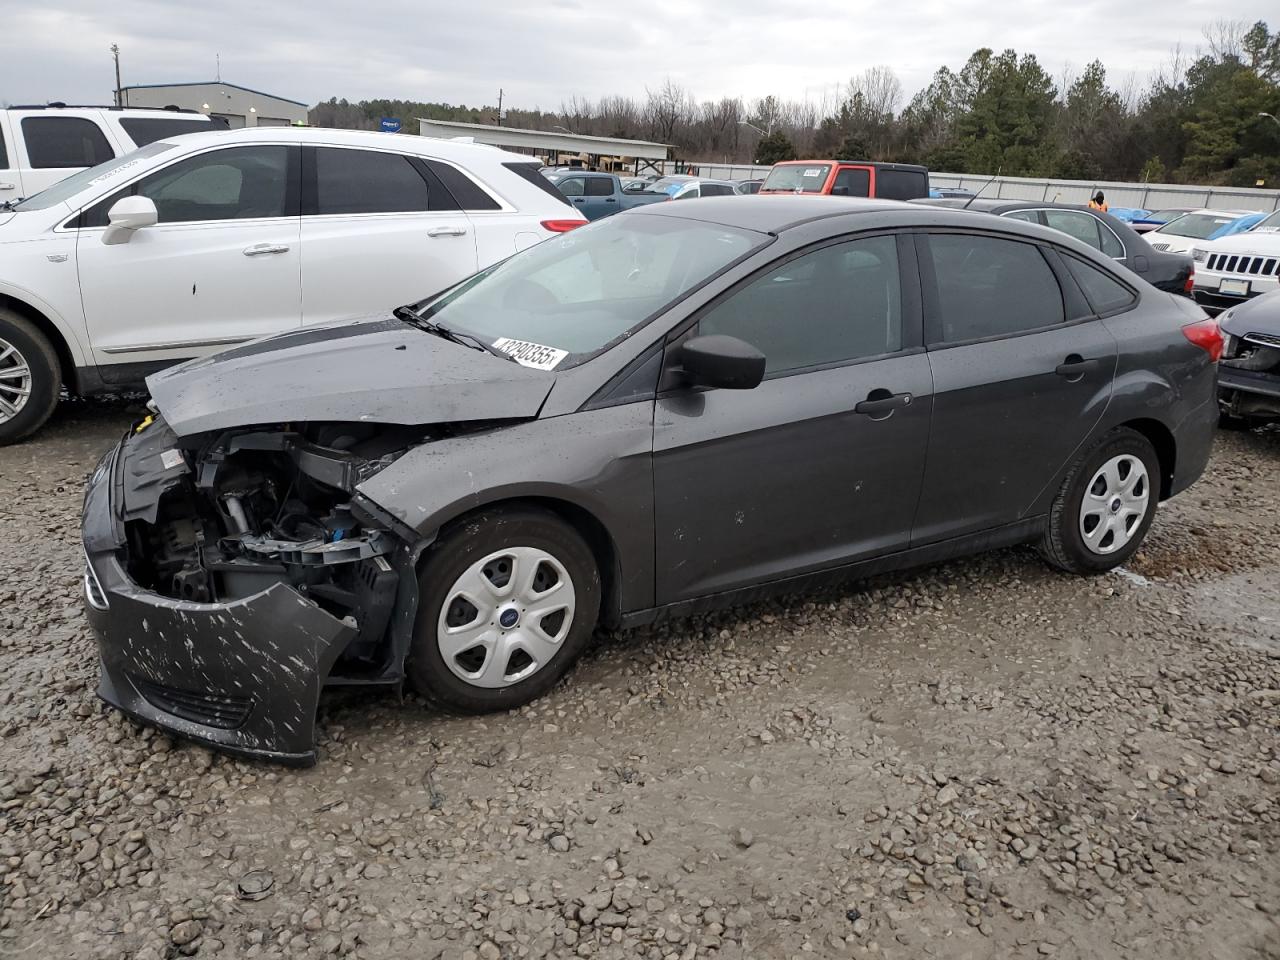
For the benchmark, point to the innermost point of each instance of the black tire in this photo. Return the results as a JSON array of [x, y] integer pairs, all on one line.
[[1063, 544], [46, 376], [461, 546]]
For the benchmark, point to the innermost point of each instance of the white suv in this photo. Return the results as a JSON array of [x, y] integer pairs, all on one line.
[[1233, 269], [187, 245], [41, 145]]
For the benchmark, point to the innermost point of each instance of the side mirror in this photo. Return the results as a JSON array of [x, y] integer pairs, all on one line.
[[840, 191], [716, 360], [127, 215]]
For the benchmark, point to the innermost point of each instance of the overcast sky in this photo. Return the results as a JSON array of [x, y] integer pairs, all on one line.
[[544, 52]]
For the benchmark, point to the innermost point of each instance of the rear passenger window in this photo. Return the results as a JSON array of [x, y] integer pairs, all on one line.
[[145, 130], [1029, 216], [599, 187], [990, 287], [1105, 293], [839, 303], [365, 181], [4, 154], [1111, 244], [1079, 225], [54, 142], [465, 191], [901, 184], [716, 190]]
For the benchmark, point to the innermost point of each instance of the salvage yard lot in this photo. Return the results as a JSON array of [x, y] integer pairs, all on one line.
[[979, 759]]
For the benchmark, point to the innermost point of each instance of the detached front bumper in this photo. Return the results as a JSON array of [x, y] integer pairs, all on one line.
[[243, 676]]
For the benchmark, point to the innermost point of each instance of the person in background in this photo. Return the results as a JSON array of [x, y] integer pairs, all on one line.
[[1099, 202]]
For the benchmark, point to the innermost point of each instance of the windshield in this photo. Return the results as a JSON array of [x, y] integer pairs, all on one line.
[[1199, 226], [802, 177], [566, 299], [107, 172], [668, 185], [1270, 225]]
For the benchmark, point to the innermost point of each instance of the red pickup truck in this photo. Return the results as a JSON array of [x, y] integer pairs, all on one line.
[[848, 178]]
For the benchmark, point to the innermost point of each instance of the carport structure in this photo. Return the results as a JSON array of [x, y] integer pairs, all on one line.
[[550, 142]]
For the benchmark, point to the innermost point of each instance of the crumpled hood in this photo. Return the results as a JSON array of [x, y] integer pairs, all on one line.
[[382, 371], [1257, 315]]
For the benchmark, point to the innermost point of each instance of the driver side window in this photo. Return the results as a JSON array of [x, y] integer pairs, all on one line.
[[838, 303], [238, 183]]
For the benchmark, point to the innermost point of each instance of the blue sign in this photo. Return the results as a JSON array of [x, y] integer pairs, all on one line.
[[390, 125]]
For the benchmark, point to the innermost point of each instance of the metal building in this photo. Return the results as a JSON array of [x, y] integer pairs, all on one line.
[[239, 106], [547, 142]]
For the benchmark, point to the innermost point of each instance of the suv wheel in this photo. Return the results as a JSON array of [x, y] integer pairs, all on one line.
[[29, 377], [508, 600], [1105, 506]]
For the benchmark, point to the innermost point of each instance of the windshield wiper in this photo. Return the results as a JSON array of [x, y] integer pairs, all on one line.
[[9, 205], [413, 318]]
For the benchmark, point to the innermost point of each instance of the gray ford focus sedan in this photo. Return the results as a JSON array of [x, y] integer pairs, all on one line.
[[674, 409]]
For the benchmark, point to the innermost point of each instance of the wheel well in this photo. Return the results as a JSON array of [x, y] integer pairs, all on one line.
[[66, 363], [1166, 447], [593, 531]]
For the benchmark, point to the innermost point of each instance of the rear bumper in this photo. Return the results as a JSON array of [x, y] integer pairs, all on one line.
[[243, 676], [1193, 440]]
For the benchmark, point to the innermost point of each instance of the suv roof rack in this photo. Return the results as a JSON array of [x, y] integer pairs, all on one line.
[[59, 105]]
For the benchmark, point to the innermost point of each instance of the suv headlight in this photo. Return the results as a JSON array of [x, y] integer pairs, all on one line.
[[1199, 254]]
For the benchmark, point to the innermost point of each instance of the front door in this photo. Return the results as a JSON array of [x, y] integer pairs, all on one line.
[[1019, 381], [821, 463], [221, 266], [380, 232]]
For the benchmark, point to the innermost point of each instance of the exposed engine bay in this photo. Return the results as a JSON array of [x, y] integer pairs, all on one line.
[[1258, 355], [247, 509]]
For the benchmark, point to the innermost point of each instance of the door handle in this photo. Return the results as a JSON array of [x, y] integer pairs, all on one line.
[[880, 403], [264, 249], [610, 199], [8, 186], [1076, 366], [446, 231]]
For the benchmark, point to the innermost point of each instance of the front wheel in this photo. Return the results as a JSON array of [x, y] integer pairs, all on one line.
[[29, 377], [1105, 506], [509, 599]]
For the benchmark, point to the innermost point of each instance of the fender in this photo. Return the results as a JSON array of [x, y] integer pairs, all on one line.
[[73, 335], [599, 461]]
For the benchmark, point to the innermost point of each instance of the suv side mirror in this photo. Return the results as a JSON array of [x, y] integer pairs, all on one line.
[[127, 215], [840, 191], [717, 360]]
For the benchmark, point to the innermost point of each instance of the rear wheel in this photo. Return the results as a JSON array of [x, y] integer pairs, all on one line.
[[509, 599], [1105, 506], [29, 377]]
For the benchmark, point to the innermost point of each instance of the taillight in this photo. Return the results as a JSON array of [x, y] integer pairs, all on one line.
[[562, 226], [1191, 282], [1206, 335]]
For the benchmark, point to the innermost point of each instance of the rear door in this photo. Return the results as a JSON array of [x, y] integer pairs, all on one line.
[[821, 463], [598, 199], [55, 145], [1022, 374], [378, 230]]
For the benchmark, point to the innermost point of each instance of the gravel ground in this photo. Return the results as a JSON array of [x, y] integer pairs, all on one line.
[[982, 759]]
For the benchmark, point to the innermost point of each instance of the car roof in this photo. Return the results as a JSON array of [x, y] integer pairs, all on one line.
[[459, 150], [774, 214]]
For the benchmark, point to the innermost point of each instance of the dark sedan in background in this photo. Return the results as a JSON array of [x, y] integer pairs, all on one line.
[[685, 407], [1171, 272]]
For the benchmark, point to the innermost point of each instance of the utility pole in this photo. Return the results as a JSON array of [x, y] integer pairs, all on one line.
[[115, 53], [498, 118]]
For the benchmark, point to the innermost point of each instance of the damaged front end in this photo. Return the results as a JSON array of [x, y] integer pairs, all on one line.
[[232, 575], [1249, 376]]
